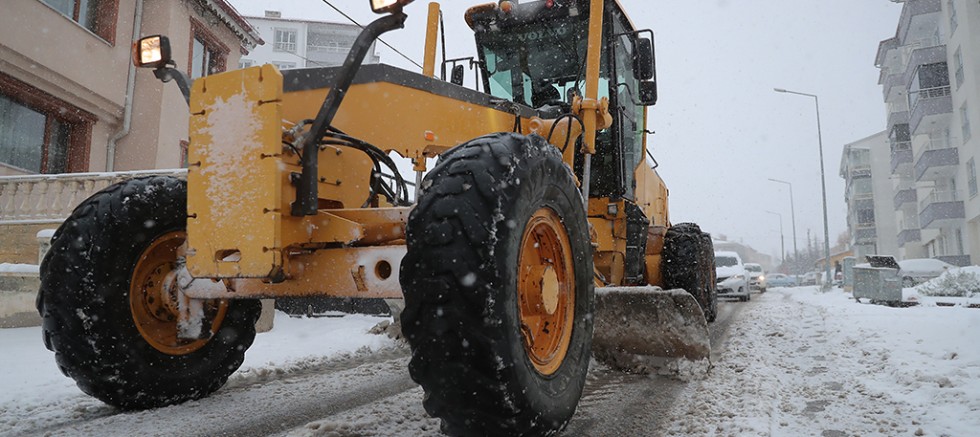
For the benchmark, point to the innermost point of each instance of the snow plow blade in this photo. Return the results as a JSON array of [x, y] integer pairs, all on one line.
[[650, 330]]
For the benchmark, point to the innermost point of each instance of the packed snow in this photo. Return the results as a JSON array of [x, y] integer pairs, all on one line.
[[795, 362], [801, 362], [34, 393]]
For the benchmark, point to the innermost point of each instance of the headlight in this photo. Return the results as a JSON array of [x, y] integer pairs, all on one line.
[[762, 278]]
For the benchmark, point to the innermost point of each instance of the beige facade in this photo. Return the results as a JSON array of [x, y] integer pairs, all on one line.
[[68, 72], [54, 64]]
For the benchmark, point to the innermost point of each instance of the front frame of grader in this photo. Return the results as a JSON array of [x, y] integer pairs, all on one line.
[[243, 183]]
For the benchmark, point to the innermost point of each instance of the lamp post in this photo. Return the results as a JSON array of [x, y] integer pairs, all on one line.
[[792, 212], [782, 244], [823, 187]]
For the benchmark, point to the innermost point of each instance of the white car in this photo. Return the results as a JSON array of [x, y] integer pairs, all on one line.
[[732, 278], [757, 278], [918, 270]]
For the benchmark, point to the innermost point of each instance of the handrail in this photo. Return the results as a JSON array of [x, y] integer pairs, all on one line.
[[50, 198]]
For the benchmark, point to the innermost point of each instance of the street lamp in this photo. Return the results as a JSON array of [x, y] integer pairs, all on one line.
[[823, 187], [792, 212], [782, 245]]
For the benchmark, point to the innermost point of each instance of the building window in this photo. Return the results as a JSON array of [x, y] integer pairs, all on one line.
[[285, 40], [39, 133], [958, 60], [971, 174], [208, 54], [98, 16], [965, 120], [952, 17], [245, 63], [285, 65]]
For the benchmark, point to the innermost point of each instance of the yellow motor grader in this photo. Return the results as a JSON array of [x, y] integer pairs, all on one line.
[[541, 222]]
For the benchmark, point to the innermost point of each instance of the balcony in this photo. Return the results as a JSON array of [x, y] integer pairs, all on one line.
[[865, 233], [898, 118], [909, 236], [941, 208], [937, 161], [910, 16], [901, 157], [905, 196], [860, 171], [929, 106]]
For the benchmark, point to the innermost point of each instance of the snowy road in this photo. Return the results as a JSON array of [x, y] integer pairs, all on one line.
[[792, 362]]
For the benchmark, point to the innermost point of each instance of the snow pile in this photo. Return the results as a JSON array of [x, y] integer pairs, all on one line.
[[801, 362], [959, 282]]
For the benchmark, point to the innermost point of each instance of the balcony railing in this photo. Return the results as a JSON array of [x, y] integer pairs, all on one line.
[[939, 196], [860, 171], [905, 196], [915, 97], [909, 236], [941, 208], [51, 198], [939, 157]]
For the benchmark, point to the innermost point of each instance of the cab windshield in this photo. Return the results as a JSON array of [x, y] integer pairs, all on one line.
[[537, 62]]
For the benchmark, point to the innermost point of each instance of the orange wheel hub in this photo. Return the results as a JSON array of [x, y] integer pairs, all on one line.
[[546, 291], [153, 298]]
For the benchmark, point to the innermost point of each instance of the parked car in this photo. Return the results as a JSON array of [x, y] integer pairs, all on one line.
[[918, 270], [780, 280], [732, 278], [757, 277], [812, 278]]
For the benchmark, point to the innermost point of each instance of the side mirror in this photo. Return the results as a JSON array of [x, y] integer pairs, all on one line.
[[644, 65], [383, 6], [648, 93], [152, 52], [457, 76]]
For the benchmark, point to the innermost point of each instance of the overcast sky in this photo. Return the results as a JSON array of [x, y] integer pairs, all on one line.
[[721, 129]]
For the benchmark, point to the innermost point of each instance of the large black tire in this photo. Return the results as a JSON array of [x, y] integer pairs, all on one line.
[[463, 279], [687, 266], [710, 277], [90, 303]]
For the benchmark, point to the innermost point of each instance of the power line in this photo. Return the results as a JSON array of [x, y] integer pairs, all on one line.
[[379, 39]]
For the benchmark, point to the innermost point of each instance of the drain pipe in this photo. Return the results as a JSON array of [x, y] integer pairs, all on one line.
[[110, 158]]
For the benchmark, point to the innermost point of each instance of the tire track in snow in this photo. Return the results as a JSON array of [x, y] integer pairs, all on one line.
[[618, 404], [258, 401]]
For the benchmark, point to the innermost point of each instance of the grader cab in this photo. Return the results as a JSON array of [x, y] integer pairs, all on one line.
[[541, 222]]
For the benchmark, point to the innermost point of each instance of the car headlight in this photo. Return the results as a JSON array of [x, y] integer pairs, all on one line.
[[762, 278]]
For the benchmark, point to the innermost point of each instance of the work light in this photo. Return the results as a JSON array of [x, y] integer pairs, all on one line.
[[151, 52], [382, 6]]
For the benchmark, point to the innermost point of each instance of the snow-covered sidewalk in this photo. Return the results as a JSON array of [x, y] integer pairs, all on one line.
[[33, 391], [799, 363]]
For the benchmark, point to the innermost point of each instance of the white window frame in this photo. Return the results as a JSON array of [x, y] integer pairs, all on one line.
[[284, 40], [965, 122]]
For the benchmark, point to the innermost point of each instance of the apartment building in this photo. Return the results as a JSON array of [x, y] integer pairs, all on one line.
[[296, 43], [866, 170], [929, 75]]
